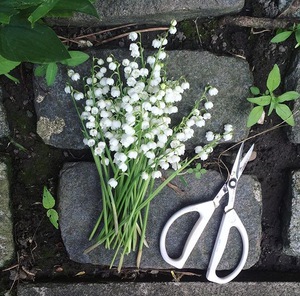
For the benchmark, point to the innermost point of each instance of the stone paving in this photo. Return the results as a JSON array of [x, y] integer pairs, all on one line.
[[167, 289], [61, 129], [79, 195]]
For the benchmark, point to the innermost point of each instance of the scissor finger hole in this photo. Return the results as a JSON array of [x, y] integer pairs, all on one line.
[[179, 232]]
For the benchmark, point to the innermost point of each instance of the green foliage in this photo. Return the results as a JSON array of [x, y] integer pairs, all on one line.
[[283, 35], [50, 70], [271, 100], [24, 37], [48, 204], [198, 171]]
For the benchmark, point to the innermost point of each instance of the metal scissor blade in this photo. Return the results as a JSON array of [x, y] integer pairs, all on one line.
[[240, 163], [244, 161]]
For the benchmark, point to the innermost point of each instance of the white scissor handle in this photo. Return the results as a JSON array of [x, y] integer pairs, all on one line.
[[205, 211], [229, 220]]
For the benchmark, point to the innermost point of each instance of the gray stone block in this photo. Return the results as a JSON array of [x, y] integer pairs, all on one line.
[[284, 4], [291, 232], [152, 12], [80, 204], [6, 224], [292, 82], [164, 288], [4, 128], [59, 126]]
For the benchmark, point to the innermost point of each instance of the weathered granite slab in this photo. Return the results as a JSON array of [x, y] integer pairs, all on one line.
[[292, 82], [80, 204], [59, 126], [164, 288], [152, 12], [4, 128], [291, 231], [6, 224]]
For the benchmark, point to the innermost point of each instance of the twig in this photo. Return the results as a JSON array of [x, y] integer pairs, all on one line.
[[174, 187], [293, 7], [126, 34]]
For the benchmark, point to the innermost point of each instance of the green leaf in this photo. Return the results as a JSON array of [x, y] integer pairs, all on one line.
[[181, 178], [53, 217], [288, 96], [51, 72], [42, 10], [198, 166], [69, 6], [40, 70], [255, 115], [272, 106], [274, 78], [297, 35], [37, 45], [77, 58], [281, 36], [254, 90], [198, 175], [48, 199], [14, 79], [285, 113], [261, 101], [6, 65], [6, 13], [190, 170]]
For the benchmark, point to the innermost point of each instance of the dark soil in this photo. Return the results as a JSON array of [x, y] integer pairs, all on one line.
[[40, 253]]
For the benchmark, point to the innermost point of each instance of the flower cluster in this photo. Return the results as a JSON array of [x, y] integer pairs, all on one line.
[[127, 120]]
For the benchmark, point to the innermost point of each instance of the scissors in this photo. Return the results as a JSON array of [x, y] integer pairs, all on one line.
[[230, 219]]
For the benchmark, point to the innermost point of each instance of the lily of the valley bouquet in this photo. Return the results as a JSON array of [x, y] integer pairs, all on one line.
[[127, 124]]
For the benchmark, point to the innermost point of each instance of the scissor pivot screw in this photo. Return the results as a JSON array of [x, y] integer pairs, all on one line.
[[232, 183]]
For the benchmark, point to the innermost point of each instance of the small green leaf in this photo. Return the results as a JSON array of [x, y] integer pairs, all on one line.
[[274, 78], [14, 79], [272, 106], [42, 10], [48, 199], [261, 101], [281, 36], [198, 166], [6, 65], [51, 72], [255, 115], [53, 217], [285, 113], [288, 96], [254, 90], [77, 58], [190, 170], [181, 178], [40, 70], [198, 175], [297, 35]]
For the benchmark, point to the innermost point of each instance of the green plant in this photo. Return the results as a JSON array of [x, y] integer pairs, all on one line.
[[282, 35], [271, 100], [48, 204], [126, 123], [50, 70], [25, 37]]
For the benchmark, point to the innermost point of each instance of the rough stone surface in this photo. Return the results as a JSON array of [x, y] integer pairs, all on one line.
[[153, 12], [291, 231], [167, 289], [4, 128], [59, 126], [292, 82], [283, 4], [80, 204], [6, 225]]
